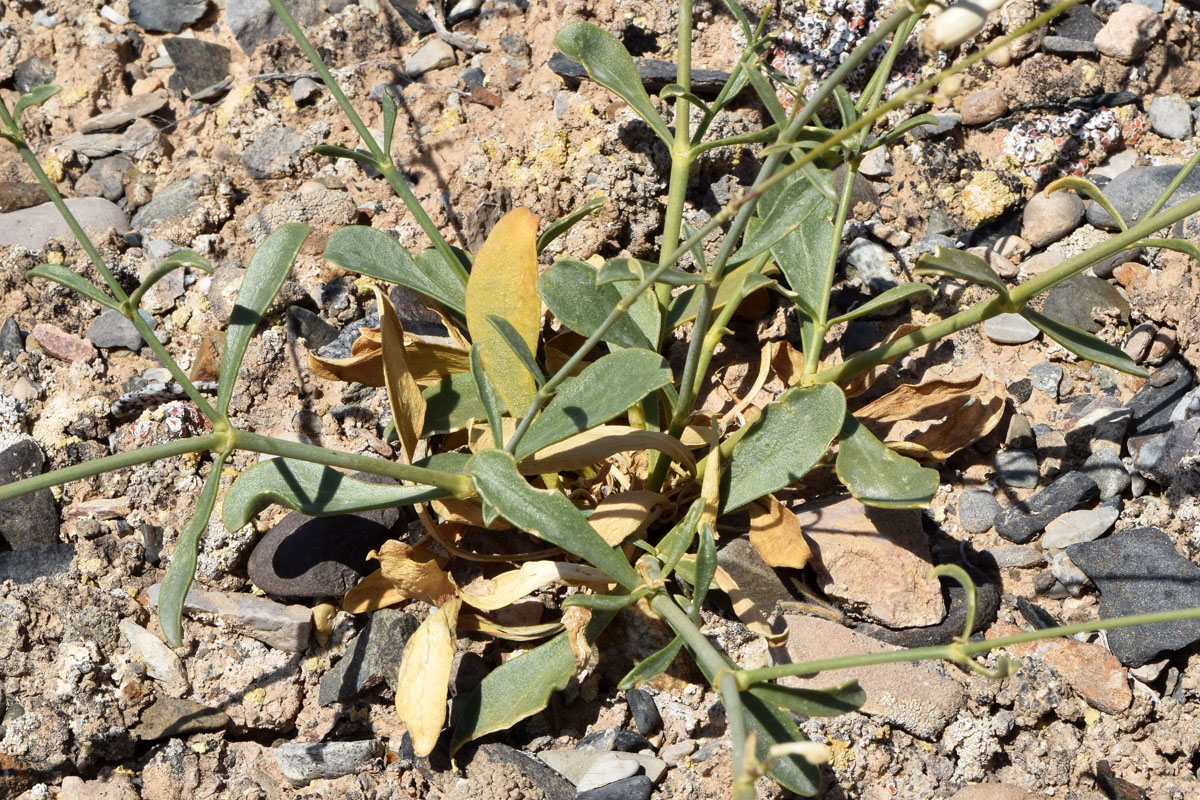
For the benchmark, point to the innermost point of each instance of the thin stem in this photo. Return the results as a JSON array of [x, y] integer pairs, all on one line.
[[131, 458], [1174, 185], [750, 137], [455, 484], [957, 651], [812, 356], [383, 160]]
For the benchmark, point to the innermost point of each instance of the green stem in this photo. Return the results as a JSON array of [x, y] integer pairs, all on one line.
[[131, 458], [455, 484], [1019, 296], [172, 366], [958, 650], [681, 151], [383, 160], [750, 137], [1175, 183], [812, 355]]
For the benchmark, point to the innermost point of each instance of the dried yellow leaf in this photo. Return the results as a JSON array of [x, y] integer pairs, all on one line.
[[322, 618], [488, 594], [621, 515], [775, 534], [575, 621], [407, 402], [371, 594], [503, 283], [470, 621], [746, 609], [424, 677], [950, 415], [429, 362], [598, 444], [415, 572]]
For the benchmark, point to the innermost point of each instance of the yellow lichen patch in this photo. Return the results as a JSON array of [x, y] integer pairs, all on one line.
[[70, 97], [234, 99], [451, 119], [843, 754], [255, 697], [286, 102], [54, 168], [986, 198]]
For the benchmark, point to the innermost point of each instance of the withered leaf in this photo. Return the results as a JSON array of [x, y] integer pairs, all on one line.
[[424, 677]]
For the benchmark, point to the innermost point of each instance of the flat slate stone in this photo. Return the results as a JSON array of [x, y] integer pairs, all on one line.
[[1072, 301], [166, 16], [198, 64], [125, 113], [1024, 520], [1134, 191], [1154, 402], [31, 228], [31, 563], [758, 580], [655, 74], [31, 520], [1010, 329], [1139, 571], [370, 658], [302, 763]]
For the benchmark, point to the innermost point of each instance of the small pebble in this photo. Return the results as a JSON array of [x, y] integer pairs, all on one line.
[[1010, 329], [1017, 468], [1015, 555], [1048, 219], [1046, 377], [1171, 116], [1085, 525], [1105, 467], [1128, 33], [61, 344], [1024, 520], [644, 711], [977, 508], [434, 54], [637, 787], [304, 90], [979, 108]]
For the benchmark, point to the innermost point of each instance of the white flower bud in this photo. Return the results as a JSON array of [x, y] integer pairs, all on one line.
[[958, 23]]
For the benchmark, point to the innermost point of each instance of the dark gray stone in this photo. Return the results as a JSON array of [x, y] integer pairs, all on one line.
[[1046, 378], [176, 200], [635, 787], [303, 763], [340, 347], [274, 153], [30, 520], [1024, 520], [371, 658], [410, 12], [617, 739], [1096, 428], [1019, 435], [1105, 467], [166, 16], [304, 324], [122, 115], [1079, 22], [946, 123], [1072, 302], [1104, 269], [1134, 191], [1020, 390], [31, 73], [198, 64], [655, 74], [759, 581], [644, 711], [105, 178], [487, 757], [112, 330], [1170, 114], [1066, 46], [26, 566], [1159, 458], [11, 342], [977, 509], [1154, 402], [252, 22], [173, 718], [1017, 468], [1139, 572], [309, 557]]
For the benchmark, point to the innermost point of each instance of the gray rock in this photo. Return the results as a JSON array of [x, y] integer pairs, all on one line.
[[304, 324], [614, 739], [1104, 269], [574, 765], [1128, 32], [304, 90], [1170, 115], [32, 228], [112, 330], [1159, 457], [1019, 435], [1009, 329], [160, 661], [1066, 46], [644, 711], [1069, 576], [31, 563], [166, 16], [1077, 301], [1024, 520], [655, 74], [977, 508], [410, 12], [1048, 219], [1138, 572], [1046, 377], [105, 178], [370, 658], [12, 344], [759, 581], [1154, 402], [1017, 468], [198, 64], [275, 153], [871, 264], [485, 760], [252, 22], [282, 627], [174, 718], [1105, 467], [173, 201], [945, 124], [304, 763], [1134, 191], [1079, 22], [1101, 428], [607, 769], [31, 520], [303, 557], [31, 73], [1015, 555], [1085, 525], [434, 54], [638, 787], [122, 115], [877, 163]]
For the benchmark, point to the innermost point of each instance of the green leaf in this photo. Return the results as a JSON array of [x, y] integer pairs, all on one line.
[[633, 269], [645, 312], [674, 90], [1084, 344], [370, 252], [678, 540], [652, 666], [561, 225], [845, 106], [790, 437], [706, 566], [961, 265], [790, 209], [451, 403], [604, 602], [334, 151], [609, 64], [604, 390], [891, 297], [183, 559], [521, 687], [34, 97], [183, 258], [389, 122], [61, 275], [803, 256], [766, 95], [878, 476], [831, 702], [684, 306], [772, 726], [263, 280], [311, 489], [487, 395], [570, 291], [896, 133], [548, 515], [518, 346], [1178, 245]]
